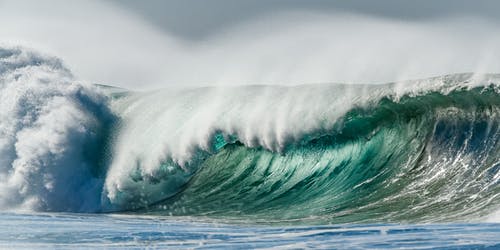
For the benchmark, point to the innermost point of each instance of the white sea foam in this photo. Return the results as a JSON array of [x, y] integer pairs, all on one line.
[[45, 125]]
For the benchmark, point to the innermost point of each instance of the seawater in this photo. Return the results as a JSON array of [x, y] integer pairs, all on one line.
[[109, 231]]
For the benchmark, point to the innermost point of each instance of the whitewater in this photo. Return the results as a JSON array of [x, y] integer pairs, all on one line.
[[420, 151]]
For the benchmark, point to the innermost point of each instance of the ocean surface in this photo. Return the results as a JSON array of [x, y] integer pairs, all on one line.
[[86, 231], [412, 164]]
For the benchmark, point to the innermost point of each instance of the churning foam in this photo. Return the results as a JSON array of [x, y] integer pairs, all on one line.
[[47, 123]]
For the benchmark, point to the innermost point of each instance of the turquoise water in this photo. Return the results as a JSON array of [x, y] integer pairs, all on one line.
[[84, 231]]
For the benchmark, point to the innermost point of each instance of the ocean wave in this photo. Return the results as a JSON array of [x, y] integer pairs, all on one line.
[[423, 150], [421, 159]]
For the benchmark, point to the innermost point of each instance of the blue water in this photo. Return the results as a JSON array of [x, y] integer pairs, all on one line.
[[90, 231]]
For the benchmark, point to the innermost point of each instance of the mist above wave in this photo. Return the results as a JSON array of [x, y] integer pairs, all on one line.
[[283, 47]]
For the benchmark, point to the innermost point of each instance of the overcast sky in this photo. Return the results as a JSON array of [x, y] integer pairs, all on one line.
[[154, 43], [195, 19]]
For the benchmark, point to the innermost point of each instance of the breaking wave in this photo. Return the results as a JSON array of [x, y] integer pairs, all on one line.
[[425, 150]]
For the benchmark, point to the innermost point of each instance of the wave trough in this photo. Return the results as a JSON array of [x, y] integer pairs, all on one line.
[[421, 151]]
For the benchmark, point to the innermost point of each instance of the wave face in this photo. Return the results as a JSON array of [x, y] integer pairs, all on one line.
[[421, 151]]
